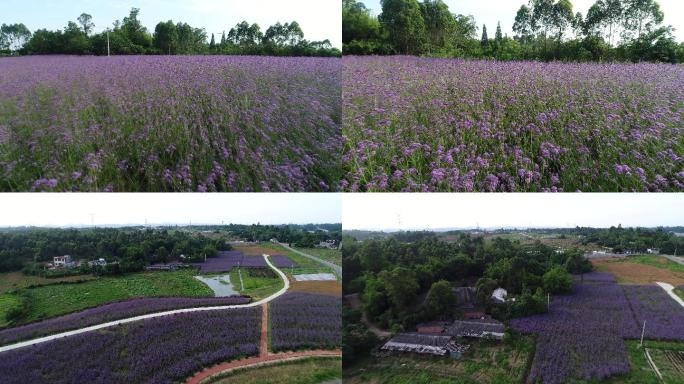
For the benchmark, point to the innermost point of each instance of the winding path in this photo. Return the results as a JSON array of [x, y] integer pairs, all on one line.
[[669, 288], [153, 315], [335, 267]]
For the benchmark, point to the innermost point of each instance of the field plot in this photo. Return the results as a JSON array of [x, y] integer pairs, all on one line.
[[183, 123], [418, 124], [154, 351], [308, 371], [110, 312], [642, 270], [306, 321], [664, 317]]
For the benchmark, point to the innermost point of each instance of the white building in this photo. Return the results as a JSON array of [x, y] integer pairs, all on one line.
[[63, 262]]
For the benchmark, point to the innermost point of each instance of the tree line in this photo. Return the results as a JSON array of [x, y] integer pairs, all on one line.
[[133, 248], [611, 30], [129, 37]]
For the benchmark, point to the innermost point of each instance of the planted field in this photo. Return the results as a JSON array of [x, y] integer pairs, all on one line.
[[418, 124], [664, 316], [58, 299], [257, 283], [306, 321], [153, 351], [110, 312], [183, 123], [641, 270]]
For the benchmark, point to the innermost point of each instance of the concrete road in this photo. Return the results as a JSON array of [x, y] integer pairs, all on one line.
[[335, 267]]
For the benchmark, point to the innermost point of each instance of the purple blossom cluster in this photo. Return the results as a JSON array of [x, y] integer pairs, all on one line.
[[306, 321], [111, 312], [160, 350], [225, 261], [664, 316], [180, 123], [422, 124]]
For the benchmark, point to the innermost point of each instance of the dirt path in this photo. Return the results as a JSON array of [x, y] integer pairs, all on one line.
[[258, 361], [263, 347], [355, 302]]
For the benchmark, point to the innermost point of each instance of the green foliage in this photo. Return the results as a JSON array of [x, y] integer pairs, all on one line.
[[557, 281], [440, 300], [58, 299], [130, 37], [612, 30]]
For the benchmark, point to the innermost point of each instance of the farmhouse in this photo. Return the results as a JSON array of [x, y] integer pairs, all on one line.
[[418, 343], [483, 328], [465, 297], [653, 251], [63, 262], [329, 244], [432, 327], [98, 263], [164, 267]]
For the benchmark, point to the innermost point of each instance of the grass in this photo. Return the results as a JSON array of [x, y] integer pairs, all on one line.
[[641, 372], [332, 255], [58, 299], [307, 371], [255, 286], [486, 362], [656, 261], [306, 265], [679, 292], [17, 280], [7, 302]]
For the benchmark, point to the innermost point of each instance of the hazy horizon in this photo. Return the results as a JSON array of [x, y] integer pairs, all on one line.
[[116, 209], [510, 210]]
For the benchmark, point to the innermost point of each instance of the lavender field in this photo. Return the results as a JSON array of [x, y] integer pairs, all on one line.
[[582, 336], [153, 351], [111, 312], [306, 321], [183, 123], [418, 124]]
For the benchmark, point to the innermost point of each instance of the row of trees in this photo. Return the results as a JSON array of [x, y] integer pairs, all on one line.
[[636, 240], [129, 36], [629, 30], [132, 247]]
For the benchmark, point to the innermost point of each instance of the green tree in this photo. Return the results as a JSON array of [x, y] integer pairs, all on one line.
[[498, 37], [280, 35], [523, 24], [484, 288], [212, 43], [557, 281], [401, 286], [357, 22], [484, 40], [245, 35], [440, 24], [166, 37], [86, 22], [642, 16], [13, 36], [405, 25], [441, 300]]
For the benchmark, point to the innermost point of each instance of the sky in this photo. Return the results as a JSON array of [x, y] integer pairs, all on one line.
[[74, 209], [489, 12], [409, 211], [319, 19]]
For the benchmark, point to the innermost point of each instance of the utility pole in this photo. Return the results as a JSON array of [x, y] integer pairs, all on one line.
[[548, 302], [643, 330], [107, 42]]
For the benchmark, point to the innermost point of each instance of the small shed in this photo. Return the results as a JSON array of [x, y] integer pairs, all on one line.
[[499, 295], [483, 328]]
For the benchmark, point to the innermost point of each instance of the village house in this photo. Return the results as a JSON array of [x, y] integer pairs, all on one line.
[[436, 345], [97, 263], [432, 327], [164, 267], [329, 244], [63, 262]]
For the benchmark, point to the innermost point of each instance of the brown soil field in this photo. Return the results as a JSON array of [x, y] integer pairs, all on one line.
[[634, 273], [333, 288], [254, 250]]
